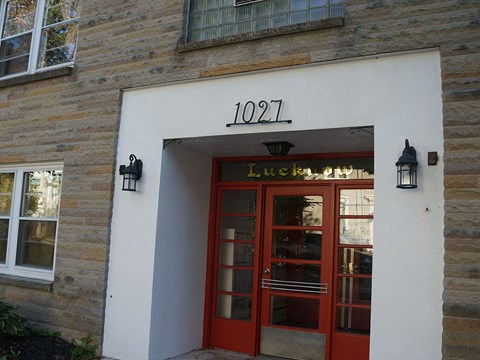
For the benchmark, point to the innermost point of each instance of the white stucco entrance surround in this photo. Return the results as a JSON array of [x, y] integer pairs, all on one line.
[[159, 234]]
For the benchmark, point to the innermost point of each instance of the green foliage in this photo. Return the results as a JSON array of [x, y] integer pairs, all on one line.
[[84, 349], [10, 322], [4, 357], [15, 355], [45, 332]]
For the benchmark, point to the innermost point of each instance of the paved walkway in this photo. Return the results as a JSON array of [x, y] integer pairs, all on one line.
[[211, 354]]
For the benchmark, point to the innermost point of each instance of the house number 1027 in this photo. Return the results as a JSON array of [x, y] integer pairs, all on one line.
[[262, 112]]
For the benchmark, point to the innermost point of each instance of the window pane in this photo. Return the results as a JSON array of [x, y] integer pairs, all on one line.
[[356, 202], [234, 307], [297, 244], [298, 210], [355, 261], [297, 274], [238, 201], [36, 242], [292, 311], [354, 290], [4, 223], [58, 44], [353, 320], [14, 66], [237, 228], [20, 17], [41, 194], [234, 280], [6, 189], [60, 10], [356, 231], [235, 254], [16, 46]]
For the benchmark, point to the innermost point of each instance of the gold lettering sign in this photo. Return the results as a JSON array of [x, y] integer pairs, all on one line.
[[296, 171]]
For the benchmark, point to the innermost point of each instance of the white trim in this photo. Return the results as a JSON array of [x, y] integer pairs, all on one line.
[[10, 267]]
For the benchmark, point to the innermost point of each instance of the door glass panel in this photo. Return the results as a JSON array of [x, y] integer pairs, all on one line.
[[293, 311], [235, 280], [239, 201], [298, 210], [296, 273], [237, 228], [297, 244], [356, 202], [235, 254], [3, 239], [354, 290], [234, 307], [353, 320], [356, 231], [355, 261]]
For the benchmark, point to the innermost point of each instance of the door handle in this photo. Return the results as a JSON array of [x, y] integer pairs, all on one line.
[[266, 271]]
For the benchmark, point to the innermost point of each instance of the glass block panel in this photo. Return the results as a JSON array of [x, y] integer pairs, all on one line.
[[210, 18], [278, 21], [211, 4], [318, 14], [244, 27], [261, 24], [235, 280], [298, 5], [6, 188], [196, 36], [316, 3], [280, 6], [41, 194], [198, 5], [234, 307], [4, 223], [227, 3], [227, 30], [210, 33], [297, 244], [227, 16], [336, 11], [353, 320], [36, 242], [235, 254], [244, 13], [196, 21], [295, 312], [261, 9], [298, 17]]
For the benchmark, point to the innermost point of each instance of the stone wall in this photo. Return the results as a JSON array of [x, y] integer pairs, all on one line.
[[129, 43]]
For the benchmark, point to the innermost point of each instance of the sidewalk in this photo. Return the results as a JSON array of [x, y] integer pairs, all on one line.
[[213, 354]]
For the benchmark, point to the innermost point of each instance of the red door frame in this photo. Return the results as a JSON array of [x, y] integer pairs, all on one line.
[[215, 183]]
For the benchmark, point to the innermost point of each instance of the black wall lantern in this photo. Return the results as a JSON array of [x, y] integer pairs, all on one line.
[[131, 173], [278, 148], [407, 168]]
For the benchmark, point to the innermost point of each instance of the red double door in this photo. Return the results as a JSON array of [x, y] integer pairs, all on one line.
[[279, 284]]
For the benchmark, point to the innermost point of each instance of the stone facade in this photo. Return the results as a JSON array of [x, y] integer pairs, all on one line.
[[74, 118]]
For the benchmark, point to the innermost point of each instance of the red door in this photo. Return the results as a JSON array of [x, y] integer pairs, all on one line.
[[297, 272]]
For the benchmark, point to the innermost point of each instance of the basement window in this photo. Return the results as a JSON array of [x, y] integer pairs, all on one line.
[[214, 19]]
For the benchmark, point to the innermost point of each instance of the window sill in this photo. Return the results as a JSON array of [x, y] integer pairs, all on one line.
[[48, 74], [28, 283], [284, 30]]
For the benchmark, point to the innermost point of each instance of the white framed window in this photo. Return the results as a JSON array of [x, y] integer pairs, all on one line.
[[213, 19], [29, 208], [37, 35]]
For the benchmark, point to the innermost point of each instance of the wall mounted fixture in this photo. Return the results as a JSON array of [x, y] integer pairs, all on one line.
[[278, 148], [407, 168], [131, 173], [432, 158]]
